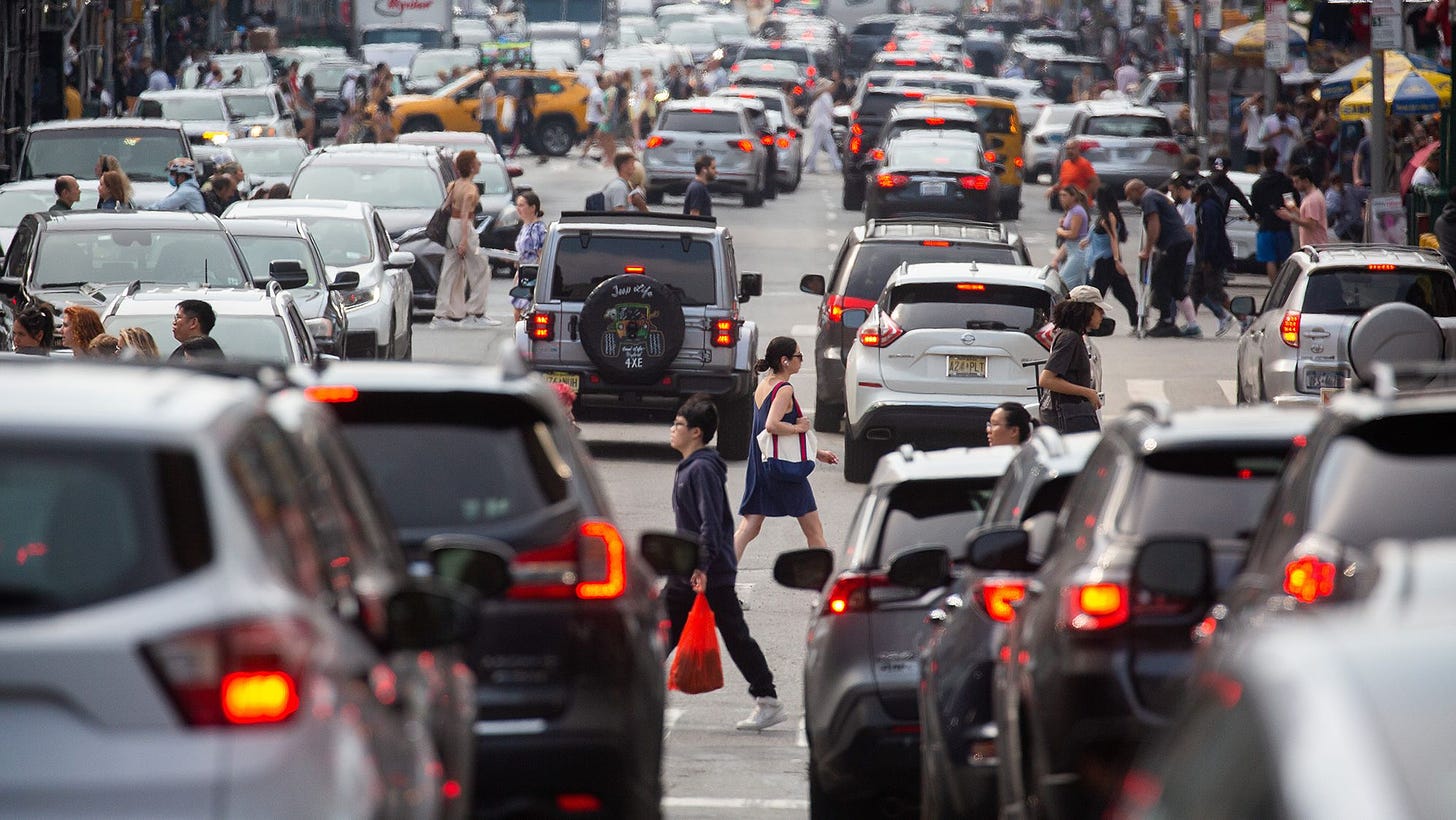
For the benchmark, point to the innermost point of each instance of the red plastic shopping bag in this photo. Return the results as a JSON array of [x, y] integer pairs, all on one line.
[[697, 667]]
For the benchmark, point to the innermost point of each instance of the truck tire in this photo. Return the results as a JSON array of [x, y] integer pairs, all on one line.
[[628, 309], [735, 426]]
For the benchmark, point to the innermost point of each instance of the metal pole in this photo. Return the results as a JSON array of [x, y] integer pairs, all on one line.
[[1377, 123]]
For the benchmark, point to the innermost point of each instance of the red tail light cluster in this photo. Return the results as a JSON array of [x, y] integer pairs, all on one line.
[[725, 332], [1289, 328], [975, 182], [332, 393], [851, 593], [880, 335], [1094, 607], [543, 326], [592, 564], [655, 141], [1169, 148], [1309, 579], [836, 305], [746, 146], [891, 181], [997, 595], [248, 672]]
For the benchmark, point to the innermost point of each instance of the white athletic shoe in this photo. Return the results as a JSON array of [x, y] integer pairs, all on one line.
[[444, 324], [766, 712]]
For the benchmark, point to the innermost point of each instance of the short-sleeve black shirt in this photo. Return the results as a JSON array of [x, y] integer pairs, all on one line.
[[698, 199], [1070, 360]]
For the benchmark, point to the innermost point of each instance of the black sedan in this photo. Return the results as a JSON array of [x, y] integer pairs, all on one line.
[[940, 173]]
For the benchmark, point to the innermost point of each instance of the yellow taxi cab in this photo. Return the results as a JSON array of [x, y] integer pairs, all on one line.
[[1002, 130], [560, 108]]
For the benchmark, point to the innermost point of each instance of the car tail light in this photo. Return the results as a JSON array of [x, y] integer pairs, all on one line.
[[968, 63], [913, 93], [989, 156], [578, 803], [655, 141], [798, 90], [1309, 579], [972, 286], [591, 564], [851, 593], [1380, 266], [746, 146], [880, 335], [543, 326], [1045, 334], [783, 142], [935, 120], [702, 110], [638, 269], [725, 332], [891, 181], [856, 129], [975, 182], [855, 143], [1289, 328], [248, 672], [793, 133], [332, 393], [1019, 162], [811, 71], [997, 595], [934, 243], [1093, 607], [1087, 145], [767, 139], [878, 155], [891, 46], [1169, 148], [837, 305], [970, 101], [904, 62]]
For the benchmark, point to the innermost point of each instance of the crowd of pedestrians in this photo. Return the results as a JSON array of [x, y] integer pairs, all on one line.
[[35, 328]]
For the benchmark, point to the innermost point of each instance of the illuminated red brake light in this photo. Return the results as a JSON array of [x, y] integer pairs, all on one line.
[[1169, 148], [259, 697], [543, 326], [935, 120], [851, 593], [702, 110], [837, 305], [975, 182], [746, 146], [1093, 607], [725, 332], [911, 93], [798, 90], [633, 269], [248, 672], [332, 393], [989, 156], [998, 595], [783, 142], [892, 181], [590, 564], [1289, 328], [934, 243], [974, 286], [855, 143], [881, 335], [603, 561], [655, 141], [878, 155], [1309, 579], [902, 62]]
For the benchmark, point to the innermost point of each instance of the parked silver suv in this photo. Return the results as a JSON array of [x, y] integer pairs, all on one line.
[[638, 311], [717, 126]]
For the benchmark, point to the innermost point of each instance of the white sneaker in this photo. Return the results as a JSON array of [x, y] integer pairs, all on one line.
[[482, 321], [766, 712], [443, 324]]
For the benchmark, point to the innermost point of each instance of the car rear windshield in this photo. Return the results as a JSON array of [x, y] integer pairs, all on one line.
[[143, 152], [583, 262], [879, 28], [878, 104], [1217, 492], [124, 255], [969, 305], [89, 522], [1352, 291], [249, 106], [701, 122], [1129, 125], [186, 109], [383, 186], [489, 459], [873, 262], [262, 338], [997, 120], [925, 513], [927, 124], [797, 54]]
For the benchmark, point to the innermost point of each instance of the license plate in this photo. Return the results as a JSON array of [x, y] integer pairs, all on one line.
[[965, 367], [932, 189], [572, 380], [1320, 379]]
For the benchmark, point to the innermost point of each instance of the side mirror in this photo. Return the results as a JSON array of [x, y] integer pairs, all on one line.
[[1172, 578], [483, 564], [804, 569], [1107, 328], [673, 554], [528, 274], [514, 171], [288, 273], [854, 317], [345, 280], [749, 285], [921, 568], [429, 614], [1005, 548], [1243, 306], [812, 283], [400, 259]]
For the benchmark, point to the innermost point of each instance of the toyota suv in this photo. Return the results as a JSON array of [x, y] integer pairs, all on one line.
[[639, 311], [869, 254], [720, 127], [1125, 142]]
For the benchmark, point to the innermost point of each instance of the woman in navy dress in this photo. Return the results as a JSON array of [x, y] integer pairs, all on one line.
[[776, 410]]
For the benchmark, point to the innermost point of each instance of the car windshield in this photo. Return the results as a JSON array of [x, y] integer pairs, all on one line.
[[797, 54], [269, 159], [262, 338], [341, 242], [1128, 126], [493, 178], [969, 305], [149, 255], [425, 64], [701, 122], [89, 521], [878, 105], [143, 152], [946, 156], [185, 109], [253, 75], [690, 34], [688, 268], [383, 186], [249, 106], [258, 251], [15, 204], [873, 262], [926, 513], [1353, 291], [1218, 493]]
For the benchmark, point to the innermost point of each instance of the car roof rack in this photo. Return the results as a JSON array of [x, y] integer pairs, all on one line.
[[940, 227], [638, 218]]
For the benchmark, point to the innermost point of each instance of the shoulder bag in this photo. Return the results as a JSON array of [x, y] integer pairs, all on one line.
[[790, 457], [438, 229]]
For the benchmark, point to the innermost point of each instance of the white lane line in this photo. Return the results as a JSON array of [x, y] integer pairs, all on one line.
[[1230, 390], [803, 738], [803, 330], [669, 720], [733, 803], [1149, 390]]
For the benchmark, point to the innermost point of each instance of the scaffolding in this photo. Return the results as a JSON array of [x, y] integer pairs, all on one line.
[[19, 66]]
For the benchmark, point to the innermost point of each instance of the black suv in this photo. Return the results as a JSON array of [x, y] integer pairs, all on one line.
[[865, 261], [570, 684], [1078, 686], [869, 111]]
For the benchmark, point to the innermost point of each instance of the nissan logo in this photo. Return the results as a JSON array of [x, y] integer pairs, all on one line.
[[968, 338]]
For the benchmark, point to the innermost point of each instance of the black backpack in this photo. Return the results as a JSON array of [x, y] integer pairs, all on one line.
[[595, 202]]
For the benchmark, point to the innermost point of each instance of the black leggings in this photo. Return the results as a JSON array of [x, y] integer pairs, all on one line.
[[1105, 276], [728, 615]]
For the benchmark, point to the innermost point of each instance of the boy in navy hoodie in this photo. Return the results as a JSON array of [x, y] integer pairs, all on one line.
[[700, 505]]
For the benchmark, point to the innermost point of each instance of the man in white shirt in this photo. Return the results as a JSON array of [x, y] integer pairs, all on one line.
[[596, 114], [157, 79], [1279, 130], [1426, 174], [1253, 122], [487, 111], [821, 129], [1126, 77]]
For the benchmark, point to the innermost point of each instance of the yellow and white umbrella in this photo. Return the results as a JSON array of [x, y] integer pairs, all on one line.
[[1247, 40], [1410, 94]]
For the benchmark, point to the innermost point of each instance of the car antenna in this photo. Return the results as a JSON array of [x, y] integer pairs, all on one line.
[[205, 283]]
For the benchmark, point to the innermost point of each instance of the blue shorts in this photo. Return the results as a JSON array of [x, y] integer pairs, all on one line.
[[1273, 246]]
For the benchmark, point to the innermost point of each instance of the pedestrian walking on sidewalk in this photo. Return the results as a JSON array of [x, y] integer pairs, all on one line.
[[700, 506]]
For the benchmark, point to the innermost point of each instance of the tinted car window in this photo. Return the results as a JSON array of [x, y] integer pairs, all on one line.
[[932, 512], [143, 152], [997, 120], [249, 106], [1217, 493], [89, 522], [1377, 482], [873, 262], [706, 122], [154, 256], [186, 109], [797, 55], [878, 105], [688, 271], [258, 251], [383, 186], [882, 28], [1128, 126], [1353, 291], [969, 305]]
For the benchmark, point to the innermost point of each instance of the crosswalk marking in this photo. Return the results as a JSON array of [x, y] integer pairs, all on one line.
[[1146, 390]]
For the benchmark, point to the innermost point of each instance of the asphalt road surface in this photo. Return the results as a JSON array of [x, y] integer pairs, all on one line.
[[710, 770]]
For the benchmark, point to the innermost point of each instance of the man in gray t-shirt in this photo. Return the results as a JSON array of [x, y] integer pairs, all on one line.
[[1163, 231], [486, 112], [617, 190]]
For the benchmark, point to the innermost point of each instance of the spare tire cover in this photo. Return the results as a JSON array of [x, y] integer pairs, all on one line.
[[632, 328], [1397, 333]]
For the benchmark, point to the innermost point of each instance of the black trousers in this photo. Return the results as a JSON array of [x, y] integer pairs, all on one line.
[[728, 615], [1105, 277], [1166, 279]]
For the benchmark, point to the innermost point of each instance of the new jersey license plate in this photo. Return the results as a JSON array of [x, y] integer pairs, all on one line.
[[965, 367], [572, 380], [1320, 379], [932, 189]]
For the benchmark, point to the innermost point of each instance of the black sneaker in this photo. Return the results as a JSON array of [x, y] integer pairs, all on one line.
[[1163, 330]]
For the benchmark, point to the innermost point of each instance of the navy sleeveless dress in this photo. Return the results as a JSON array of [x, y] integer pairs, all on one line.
[[763, 494]]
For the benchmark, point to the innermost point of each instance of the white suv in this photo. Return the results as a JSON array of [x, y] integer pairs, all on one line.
[[945, 344]]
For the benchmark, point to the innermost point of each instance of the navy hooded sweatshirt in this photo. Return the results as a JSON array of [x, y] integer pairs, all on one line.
[[700, 505]]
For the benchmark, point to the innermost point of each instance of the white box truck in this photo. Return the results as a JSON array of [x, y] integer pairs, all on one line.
[[391, 31]]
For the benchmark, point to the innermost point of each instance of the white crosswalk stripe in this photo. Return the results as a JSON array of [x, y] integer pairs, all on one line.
[[1146, 390]]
